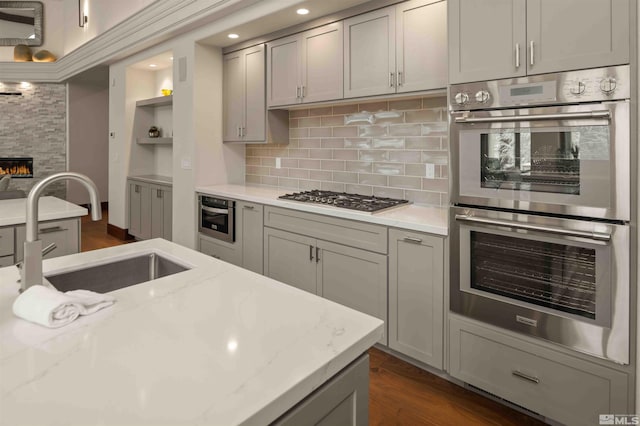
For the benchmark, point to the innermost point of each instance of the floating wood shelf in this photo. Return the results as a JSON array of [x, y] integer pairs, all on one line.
[[155, 102], [154, 141]]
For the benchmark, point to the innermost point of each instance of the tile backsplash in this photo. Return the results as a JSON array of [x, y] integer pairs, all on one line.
[[381, 148]]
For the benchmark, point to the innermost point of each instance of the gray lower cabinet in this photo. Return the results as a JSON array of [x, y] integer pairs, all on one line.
[[150, 210], [229, 252], [416, 288], [566, 389], [64, 233], [343, 400], [352, 277], [249, 223], [6, 246]]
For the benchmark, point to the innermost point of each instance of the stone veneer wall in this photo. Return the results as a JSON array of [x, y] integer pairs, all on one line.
[[374, 148], [34, 125]]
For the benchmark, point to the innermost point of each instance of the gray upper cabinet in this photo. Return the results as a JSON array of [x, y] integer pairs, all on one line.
[[244, 111], [421, 45], [496, 39], [370, 54], [396, 49], [306, 67]]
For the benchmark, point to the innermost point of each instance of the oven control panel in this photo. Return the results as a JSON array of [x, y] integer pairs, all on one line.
[[592, 85]]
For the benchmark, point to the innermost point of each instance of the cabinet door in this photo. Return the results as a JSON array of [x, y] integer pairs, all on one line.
[[370, 54], [6, 241], [233, 96], [576, 34], [251, 221], [255, 112], [135, 206], [486, 39], [354, 278], [416, 281], [322, 63], [421, 43], [161, 212], [283, 71], [65, 234], [290, 258]]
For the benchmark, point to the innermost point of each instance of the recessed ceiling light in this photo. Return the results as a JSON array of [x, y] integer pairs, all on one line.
[[152, 65], [232, 35], [302, 11], [25, 85], [171, 58]]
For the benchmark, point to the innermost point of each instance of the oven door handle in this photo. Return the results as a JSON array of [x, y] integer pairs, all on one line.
[[515, 118], [598, 236], [213, 210]]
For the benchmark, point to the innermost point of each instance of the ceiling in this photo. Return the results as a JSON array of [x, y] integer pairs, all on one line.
[[282, 19], [161, 61]]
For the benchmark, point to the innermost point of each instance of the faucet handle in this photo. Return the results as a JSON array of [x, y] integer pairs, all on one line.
[[48, 249]]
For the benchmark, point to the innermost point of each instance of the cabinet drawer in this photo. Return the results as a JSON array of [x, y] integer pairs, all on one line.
[[555, 385], [220, 250], [64, 233], [6, 261], [6, 241], [341, 231]]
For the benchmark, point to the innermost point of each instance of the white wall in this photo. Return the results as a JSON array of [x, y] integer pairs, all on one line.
[[62, 34], [53, 31], [88, 127]]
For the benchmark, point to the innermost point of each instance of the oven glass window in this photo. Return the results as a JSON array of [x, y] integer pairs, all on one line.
[[543, 160], [556, 276], [216, 221]]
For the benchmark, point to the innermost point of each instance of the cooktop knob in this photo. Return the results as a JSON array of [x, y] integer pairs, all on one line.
[[483, 96], [577, 88], [608, 85], [461, 98]]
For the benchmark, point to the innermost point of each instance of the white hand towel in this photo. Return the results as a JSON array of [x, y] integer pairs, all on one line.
[[51, 308]]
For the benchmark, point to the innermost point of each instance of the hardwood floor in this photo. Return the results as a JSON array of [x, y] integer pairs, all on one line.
[[399, 393]]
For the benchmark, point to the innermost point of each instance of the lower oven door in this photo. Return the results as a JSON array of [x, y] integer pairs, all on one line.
[[563, 280]]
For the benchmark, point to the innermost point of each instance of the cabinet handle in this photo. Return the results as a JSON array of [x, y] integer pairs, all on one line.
[[317, 254], [531, 51], [158, 193], [526, 377], [243, 131], [303, 91], [298, 92], [137, 189], [50, 230], [400, 78], [310, 253], [413, 240], [249, 207], [391, 79], [517, 55]]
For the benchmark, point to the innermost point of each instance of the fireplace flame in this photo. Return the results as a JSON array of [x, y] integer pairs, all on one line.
[[15, 170]]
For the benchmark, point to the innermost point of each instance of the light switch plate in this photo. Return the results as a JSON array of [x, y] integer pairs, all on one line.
[[430, 171], [186, 163], [278, 163]]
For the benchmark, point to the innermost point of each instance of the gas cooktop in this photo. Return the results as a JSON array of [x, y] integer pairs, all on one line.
[[363, 203]]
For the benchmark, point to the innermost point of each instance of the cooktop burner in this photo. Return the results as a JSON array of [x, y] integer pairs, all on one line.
[[363, 203]]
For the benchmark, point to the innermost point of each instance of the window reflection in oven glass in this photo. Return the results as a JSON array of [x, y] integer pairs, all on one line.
[[556, 276], [540, 161]]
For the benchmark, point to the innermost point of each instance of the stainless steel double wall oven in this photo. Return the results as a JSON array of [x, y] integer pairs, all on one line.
[[541, 193]]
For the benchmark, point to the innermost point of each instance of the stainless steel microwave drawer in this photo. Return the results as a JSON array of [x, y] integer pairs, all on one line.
[[560, 387], [341, 231]]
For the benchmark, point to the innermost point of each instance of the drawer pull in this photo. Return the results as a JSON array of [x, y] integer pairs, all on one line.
[[249, 207], [317, 254], [526, 377], [50, 230], [310, 253], [413, 240]]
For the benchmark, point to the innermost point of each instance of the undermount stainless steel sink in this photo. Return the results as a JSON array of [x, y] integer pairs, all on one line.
[[118, 274]]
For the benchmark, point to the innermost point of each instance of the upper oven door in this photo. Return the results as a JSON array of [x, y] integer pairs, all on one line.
[[572, 160]]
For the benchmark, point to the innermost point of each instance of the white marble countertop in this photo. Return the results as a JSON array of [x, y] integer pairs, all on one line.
[[214, 345], [433, 220], [14, 211]]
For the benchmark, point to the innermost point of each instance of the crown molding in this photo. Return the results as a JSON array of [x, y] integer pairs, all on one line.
[[154, 24]]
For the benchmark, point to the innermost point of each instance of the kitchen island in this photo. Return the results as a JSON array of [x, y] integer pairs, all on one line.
[[14, 211], [213, 345]]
